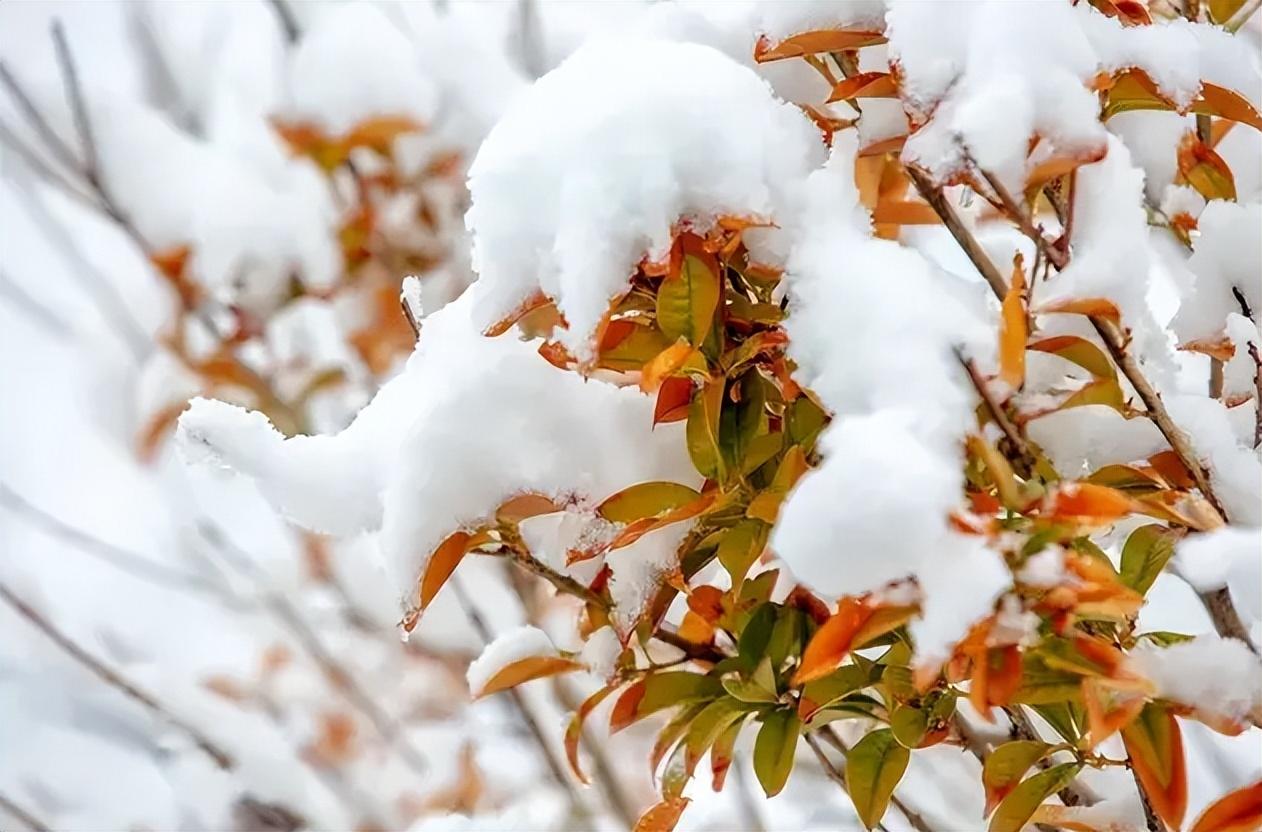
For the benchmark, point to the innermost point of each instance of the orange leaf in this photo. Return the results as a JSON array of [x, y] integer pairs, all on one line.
[[894, 144], [1221, 347], [1172, 469], [379, 132], [625, 709], [1204, 169], [865, 85], [1155, 745], [634, 531], [832, 641], [1239, 811], [574, 730], [1012, 329], [906, 212], [672, 400], [707, 602], [1109, 709], [523, 670], [663, 816], [1095, 307], [1057, 166], [695, 629], [810, 43], [524, 506], [440, 566], [664, 364], [1220, 101], [530, 304], [1086, 503]]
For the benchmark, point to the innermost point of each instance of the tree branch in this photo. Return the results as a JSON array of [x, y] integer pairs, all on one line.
[[112, 678], [24, 817], [933, 195]]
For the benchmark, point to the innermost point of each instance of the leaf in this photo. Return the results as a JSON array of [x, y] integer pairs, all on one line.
[[662, 690], [1155, 746], [646, 499], [721, 753], [1012, 329], [766, 506], [1094, 307], [825, 691], [634, 351], [905, 212], [1144, 556], [741, 546], [1239, 811], [1005, 767], [441, 563], [811, 43], [574, 730], [865, 85], [1084, 503], [663, 816], [708, 725], [1015, 810], [1080, 351], [664, 364], [775, 748], [672, 400], [686, 301], [1220, 11], [873, 768], [833, 640], [756, 634], [524, 670], [626, 709], [524, 506], [638, 528], [1220, 101], [909, 725], [1204, 169], [702, 432], [671, 732]]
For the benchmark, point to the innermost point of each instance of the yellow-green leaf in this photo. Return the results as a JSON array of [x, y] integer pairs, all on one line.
[[702, 431], [1080, 351], [774, 749], [740, 547], [686, 301], [1005, 767], [1144, 556], [1018, 807], [873, 768], [646, 499]]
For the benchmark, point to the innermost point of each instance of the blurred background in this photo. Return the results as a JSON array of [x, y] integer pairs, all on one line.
[[222, 199]]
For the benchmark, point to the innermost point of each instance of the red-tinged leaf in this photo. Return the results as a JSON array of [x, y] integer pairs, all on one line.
[[556, 355], [1204, 169], [1155, 745], [625, 709], [524, 670], [672, 400], [721, 754], [634, 531], [1005, 767], [1220, 101], [537, 300], [1012, 329], [1110, 706], [882, 620], [1239, 811], [1094, 307], [1080, 351], [865, 85], [811, 43], [831, 642], [1171, 468], [1086, 504], [707, 602], [664, 364], [524, 506], [440, 565], [645, 500], [1130, 12], [574, 730], [663, 817], [996, 677]]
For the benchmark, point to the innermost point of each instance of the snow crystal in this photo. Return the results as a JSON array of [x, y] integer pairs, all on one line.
[[522, 643], [1210, 673], [1227, 557], [589, 170]]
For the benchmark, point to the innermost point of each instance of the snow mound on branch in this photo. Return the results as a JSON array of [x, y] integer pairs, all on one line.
[[470, 422], [589, 170], [1226, 256], [1226, 557], [986, 76], [353, 65], [1211, 673], [876, 510], [786, 18], [521, 643]]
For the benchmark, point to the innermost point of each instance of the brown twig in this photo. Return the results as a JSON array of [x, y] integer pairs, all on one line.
[[937, 200], [1054, 256], [285, 16], [114, 679], [1010, 430], [24, 817], [914, 818]]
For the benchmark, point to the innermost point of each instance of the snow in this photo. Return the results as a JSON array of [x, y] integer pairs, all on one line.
[[470, 422], [1227, 557], [508, 647], [601, 651], [1212, 674], [1225, 257], [1235, 469], [352, 65], [589, 171]]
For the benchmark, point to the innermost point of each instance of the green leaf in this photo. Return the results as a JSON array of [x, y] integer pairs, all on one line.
[[758, 588], [721, 752], [1066, 719], [743, 421], [740, 547], [1043, 685], [662, 690], [787, 636], [677, 772], [1144, 556], [1165, 638], [671, 733], [804, 421], [702, 431], [686, 302], [752, 644], [1005, 767], [1019, 806], [820, 693], [774, 749], [873, 768], [1080, 351], [634, 351], [749, 690], [708, 725], [909, 725], [646, 499]]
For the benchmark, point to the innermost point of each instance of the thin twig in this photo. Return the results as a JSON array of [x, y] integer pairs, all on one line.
[[41, 166], [934, 195], [38, 312], [536, 731], [288, 23], [1054, 255], [112, 678], [997, 412], [36, 119], [25, 817]]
